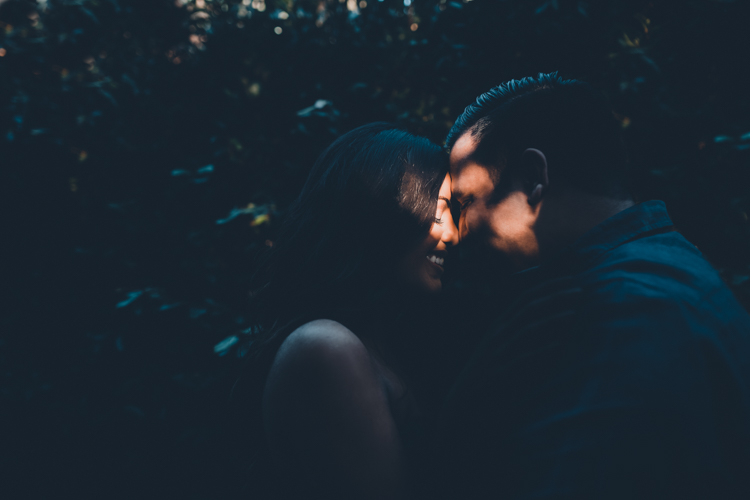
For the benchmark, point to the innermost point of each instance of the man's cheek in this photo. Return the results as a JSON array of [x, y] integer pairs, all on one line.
[[476, 219]]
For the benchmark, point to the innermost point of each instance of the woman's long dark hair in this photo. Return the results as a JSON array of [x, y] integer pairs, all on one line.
[[370, 198]]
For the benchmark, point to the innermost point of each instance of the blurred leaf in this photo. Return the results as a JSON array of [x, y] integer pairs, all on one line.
[[132, 297], [223, 347], [319, 104]]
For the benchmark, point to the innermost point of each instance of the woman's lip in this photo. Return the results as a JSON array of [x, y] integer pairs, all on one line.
[[437, 266]]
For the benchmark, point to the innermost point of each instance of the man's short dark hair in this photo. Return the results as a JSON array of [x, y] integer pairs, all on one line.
[[568, 120]]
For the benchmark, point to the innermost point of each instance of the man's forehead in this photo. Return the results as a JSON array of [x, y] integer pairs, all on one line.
[[467, 175], [462, 152]]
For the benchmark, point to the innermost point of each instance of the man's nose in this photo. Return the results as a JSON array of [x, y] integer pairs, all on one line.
[[450, 232], [463, 227]]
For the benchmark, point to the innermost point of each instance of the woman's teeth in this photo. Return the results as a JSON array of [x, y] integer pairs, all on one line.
[[435, 260]]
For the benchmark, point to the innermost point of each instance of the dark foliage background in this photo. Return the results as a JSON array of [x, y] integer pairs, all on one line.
[[149, 146]]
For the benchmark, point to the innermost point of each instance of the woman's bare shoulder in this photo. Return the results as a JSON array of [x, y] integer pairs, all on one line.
[[327, 418], [322, 332], [322, 347]]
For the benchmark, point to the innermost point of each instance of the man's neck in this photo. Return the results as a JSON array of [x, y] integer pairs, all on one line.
[[570, 215]]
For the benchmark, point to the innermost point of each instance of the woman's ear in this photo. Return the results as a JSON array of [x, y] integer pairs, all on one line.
[[534, 172]]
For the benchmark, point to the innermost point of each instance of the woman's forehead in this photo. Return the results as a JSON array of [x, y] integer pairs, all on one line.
[[445, 188]]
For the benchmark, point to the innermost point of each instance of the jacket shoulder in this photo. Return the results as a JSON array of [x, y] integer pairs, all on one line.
[[661, 267]]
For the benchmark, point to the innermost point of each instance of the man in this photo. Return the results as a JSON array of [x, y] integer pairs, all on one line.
[[622, 369]]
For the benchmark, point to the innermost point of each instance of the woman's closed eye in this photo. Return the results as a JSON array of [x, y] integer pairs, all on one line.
[[441, 209]]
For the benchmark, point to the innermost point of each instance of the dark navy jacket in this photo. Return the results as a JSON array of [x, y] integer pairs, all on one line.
[[622, 372]]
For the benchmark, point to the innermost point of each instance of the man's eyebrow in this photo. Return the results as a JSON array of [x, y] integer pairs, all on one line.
[[446, 200]]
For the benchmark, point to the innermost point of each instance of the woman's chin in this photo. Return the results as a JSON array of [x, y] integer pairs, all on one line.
[[429, 286], [419, 289]]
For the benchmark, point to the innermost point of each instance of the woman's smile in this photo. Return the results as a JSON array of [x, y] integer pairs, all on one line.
[[437, 259]]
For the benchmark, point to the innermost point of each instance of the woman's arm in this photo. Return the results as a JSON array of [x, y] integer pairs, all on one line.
[[327, 418]]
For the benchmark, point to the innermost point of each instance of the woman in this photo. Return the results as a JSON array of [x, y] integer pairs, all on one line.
[[363, 246]]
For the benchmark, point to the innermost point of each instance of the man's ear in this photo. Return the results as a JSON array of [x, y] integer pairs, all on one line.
[[534, 172]]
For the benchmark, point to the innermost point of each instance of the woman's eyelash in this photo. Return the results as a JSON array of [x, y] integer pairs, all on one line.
[[438, 221]]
